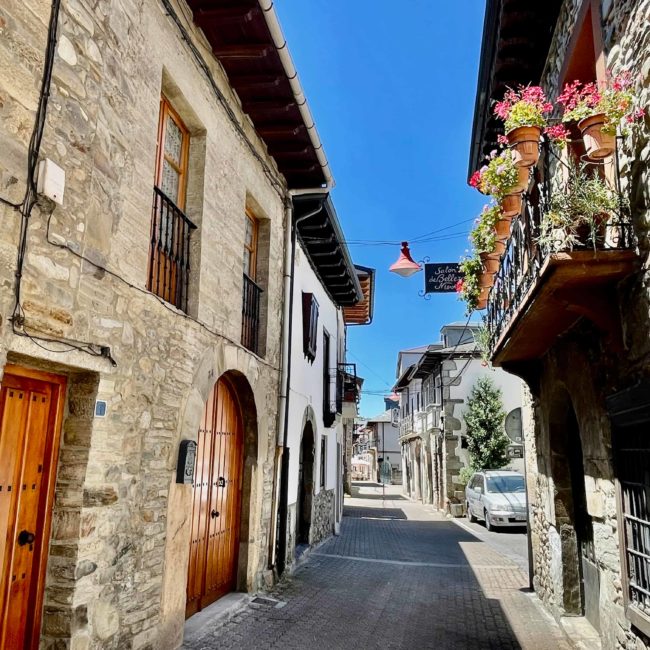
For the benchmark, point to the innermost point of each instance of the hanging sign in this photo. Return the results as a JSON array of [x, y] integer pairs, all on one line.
[[441, 278]]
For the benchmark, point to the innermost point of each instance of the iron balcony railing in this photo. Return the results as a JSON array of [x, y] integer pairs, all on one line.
[[524, 257], [169, 257], [347, 389], [250, 323]]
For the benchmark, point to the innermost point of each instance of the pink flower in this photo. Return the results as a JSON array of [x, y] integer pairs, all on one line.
[[460, 285], [559, 132], [475, 180], [501, 139]]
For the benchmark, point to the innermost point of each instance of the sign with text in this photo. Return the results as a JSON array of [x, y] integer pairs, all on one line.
[[441, 278]]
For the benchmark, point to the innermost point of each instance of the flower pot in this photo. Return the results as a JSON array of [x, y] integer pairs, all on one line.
[[486, 280], [524, 142], [490, 262], [523, 180], [503, 228], [592, 236], [499, 248], [599, 145], [483, 298], [511, 205]]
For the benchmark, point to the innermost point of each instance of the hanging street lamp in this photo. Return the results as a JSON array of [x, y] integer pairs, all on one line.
[[405, 266]]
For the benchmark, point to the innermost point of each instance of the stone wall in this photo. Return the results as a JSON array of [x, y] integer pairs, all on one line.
[[322, 516], [120, 535], [585, 365]]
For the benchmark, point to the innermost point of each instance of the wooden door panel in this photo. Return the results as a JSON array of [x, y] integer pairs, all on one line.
[[30, 418], [216, 512]]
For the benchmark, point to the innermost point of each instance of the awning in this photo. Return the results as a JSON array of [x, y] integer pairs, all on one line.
[[361, 313]]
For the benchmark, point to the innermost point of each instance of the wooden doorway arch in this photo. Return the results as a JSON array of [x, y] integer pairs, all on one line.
[[216, 503]]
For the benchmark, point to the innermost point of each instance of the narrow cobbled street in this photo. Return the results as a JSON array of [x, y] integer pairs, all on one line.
[[398, 576]]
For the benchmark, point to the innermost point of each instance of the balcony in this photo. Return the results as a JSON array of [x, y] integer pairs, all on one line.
[[541, 290], [406, 425], [347, 389], [169, 253], [250, 322]]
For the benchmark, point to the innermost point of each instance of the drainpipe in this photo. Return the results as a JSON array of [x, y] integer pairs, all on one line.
[[292, 75], [285, 386]]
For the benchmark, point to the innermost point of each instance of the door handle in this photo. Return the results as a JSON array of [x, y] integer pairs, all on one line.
[[214, 514], [25, 537]]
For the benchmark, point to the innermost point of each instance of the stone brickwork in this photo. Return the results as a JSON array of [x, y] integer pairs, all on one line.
[[584, 365], [120, 535], [322, 516]]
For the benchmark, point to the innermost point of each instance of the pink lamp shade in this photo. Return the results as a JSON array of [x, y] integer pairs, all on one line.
[[405, 266]]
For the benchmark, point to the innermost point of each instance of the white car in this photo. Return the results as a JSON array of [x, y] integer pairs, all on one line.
[[498, 497]]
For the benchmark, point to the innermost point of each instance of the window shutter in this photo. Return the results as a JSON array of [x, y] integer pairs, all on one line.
[[309, 325]]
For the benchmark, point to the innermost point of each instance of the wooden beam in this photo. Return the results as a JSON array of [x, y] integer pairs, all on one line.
[[280, 131], [242, 51], [213, 17], [255, 81]]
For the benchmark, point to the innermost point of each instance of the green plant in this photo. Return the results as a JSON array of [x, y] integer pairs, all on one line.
[[465, 475], [487, 441], [483, 338], [468, 288], [577, 211], [499, 176], [483, 235], [527, 106], [613, 98]]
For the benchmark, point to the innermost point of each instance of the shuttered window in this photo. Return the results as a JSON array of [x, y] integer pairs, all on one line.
[[309, 325]]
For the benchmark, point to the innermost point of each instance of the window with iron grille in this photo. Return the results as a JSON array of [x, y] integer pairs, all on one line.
[[309, 325], [252, 292], [169, 255], [630, 415]]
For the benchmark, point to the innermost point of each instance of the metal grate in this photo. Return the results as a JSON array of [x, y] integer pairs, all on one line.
[[633, 465], [524, 257], [250, 324], [169, 255]]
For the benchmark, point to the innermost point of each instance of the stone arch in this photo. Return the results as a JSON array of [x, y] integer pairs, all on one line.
[[571, 519]]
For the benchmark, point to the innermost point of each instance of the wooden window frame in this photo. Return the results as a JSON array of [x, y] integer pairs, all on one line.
[[310, 325], [168, 112], [250, 218]]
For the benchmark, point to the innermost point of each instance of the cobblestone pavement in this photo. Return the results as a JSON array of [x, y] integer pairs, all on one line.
[[398, 577]]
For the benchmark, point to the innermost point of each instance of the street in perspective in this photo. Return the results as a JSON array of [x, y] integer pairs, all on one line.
[[324, 324]]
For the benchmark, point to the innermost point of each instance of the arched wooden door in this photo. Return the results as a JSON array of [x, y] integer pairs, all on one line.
[[216, 506]]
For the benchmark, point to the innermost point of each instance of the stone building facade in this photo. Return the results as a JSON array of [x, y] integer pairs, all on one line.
[[137, 370], [588, 393], [432, 435]]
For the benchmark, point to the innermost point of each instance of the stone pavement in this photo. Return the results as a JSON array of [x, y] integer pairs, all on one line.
[[398, 577]]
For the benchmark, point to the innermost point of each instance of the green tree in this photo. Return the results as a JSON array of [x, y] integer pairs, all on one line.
[[486, 439]]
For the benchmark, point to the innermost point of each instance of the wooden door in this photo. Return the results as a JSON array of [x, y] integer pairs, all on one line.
[[216, 506], [31, 406]]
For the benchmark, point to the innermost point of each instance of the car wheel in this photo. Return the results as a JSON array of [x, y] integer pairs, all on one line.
[[470, 514], [488, 522]]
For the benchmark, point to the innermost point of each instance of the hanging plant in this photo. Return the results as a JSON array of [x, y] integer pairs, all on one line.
[[469, 288], [598, 109], [483, 235], [523, 113], [500, 176]]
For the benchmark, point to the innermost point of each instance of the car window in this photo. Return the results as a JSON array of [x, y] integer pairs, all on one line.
[[472, 482], [505, 484]]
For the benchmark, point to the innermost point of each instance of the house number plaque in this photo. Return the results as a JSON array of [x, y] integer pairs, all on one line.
[[186, 458]]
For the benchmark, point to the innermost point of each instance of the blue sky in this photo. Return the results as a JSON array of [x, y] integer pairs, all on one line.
[[391, 87]]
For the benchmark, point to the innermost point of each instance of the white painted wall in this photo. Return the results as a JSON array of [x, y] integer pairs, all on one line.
[[511, 395], [307, 379]]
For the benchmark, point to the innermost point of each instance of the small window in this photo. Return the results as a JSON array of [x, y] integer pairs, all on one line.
[[323, 461], [309, 325], [250, 246], [172, 155]]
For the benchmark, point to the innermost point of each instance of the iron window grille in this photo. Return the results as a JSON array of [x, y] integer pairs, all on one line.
[[250, 325], [169, 263]]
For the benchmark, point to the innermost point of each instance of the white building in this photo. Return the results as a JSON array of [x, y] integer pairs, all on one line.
[[324, 389], [434, 388], [384, 445]]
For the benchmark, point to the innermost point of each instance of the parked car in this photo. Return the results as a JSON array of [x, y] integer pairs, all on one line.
[[498, 497]]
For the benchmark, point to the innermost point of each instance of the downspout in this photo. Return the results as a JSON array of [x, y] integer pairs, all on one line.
[[292, 75], [287, 336]]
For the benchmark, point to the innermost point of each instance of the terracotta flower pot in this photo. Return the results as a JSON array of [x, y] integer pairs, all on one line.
[[503, 228], [490, 262], [599, 145], [592, 236], [524, 142], [523, 180], [511, 205], [499, 248], [486, 280], [483, 298]]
